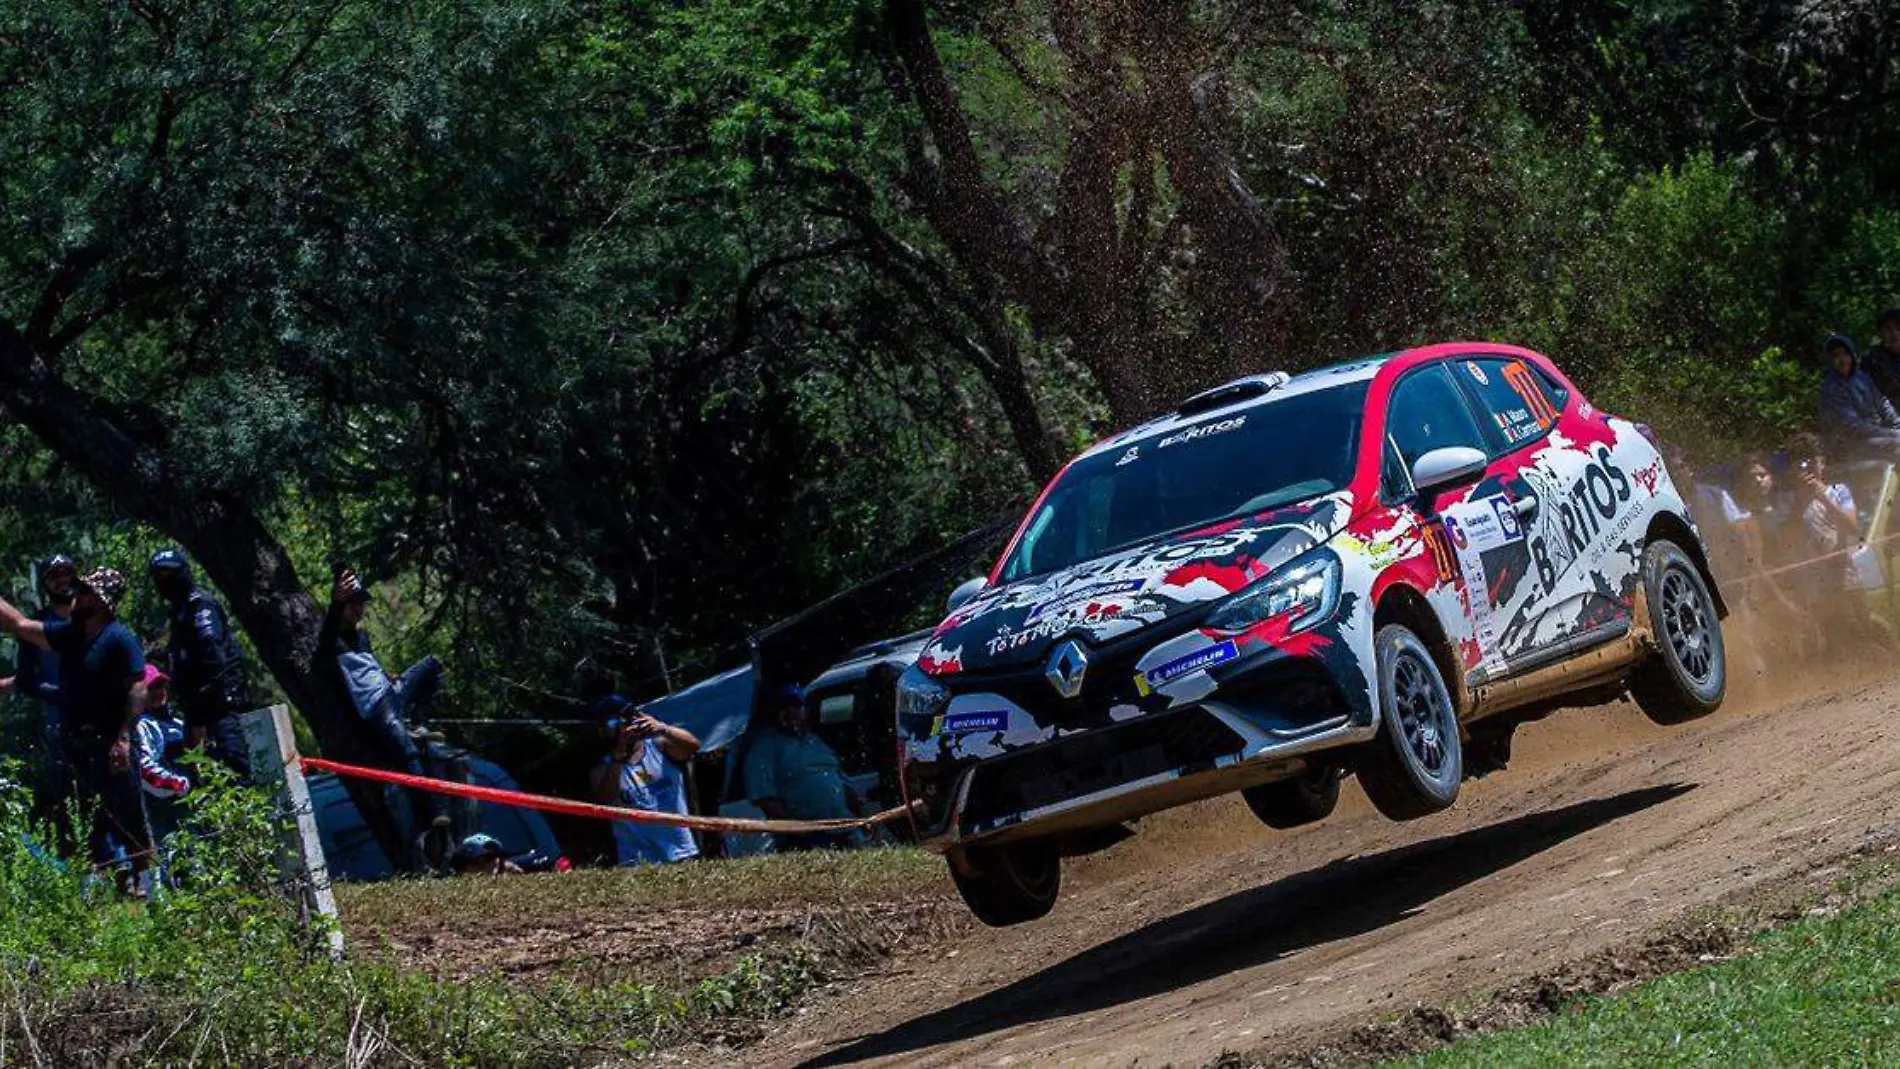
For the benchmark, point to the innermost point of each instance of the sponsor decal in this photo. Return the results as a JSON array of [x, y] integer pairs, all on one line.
[[1477, 373], [1478, 525], [1524, 381], [1133, 454], [1082, 596], [1166, 557], [1206, 430], [1187, 664], [1507, 519], [970, 723], [1582, 514], [1647, 478]]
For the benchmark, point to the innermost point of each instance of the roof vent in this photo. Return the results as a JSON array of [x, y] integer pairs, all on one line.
[[1233, 393]]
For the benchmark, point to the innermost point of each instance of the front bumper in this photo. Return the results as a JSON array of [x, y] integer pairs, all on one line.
[[1258, 719]]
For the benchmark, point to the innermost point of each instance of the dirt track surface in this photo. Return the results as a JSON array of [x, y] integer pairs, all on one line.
[[1207, 933]]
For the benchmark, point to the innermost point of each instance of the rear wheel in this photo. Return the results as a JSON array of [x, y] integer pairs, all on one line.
[[1290, 803], [1687, 676], [1006, 885], [1412, 769]]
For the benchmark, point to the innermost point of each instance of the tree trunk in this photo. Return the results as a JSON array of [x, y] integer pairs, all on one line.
[[238, 553]]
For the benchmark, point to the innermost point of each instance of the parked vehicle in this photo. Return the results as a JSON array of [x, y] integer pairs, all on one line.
[[1377, 569]]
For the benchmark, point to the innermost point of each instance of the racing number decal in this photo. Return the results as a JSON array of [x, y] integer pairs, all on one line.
[[1524, 381], [1442, 563]]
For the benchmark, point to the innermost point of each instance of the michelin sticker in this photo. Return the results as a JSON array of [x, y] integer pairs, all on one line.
[[971, 723], [1162, 674]]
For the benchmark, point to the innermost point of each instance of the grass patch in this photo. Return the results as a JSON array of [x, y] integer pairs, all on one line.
[[1823, 990], [814, 878]]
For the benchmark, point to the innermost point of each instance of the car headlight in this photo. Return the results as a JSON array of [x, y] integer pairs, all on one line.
[[920, 701], [1305, 591]]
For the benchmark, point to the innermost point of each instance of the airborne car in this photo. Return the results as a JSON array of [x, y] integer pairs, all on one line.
[[1377, 569]]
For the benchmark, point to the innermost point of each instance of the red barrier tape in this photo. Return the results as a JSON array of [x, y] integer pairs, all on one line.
[[573, 808]]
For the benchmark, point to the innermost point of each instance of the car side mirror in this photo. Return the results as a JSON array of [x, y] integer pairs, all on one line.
[[962, 594], [1446, 467]]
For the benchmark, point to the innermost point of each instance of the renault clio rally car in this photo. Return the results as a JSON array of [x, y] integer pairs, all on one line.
[[1377, 569]]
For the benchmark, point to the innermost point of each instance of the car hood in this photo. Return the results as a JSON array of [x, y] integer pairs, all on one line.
[[1129, 590]]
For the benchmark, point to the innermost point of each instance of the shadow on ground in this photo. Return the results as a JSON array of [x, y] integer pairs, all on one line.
[[1344, 898]]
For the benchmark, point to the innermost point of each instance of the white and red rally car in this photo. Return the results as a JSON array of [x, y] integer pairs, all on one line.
[[1379, 568]]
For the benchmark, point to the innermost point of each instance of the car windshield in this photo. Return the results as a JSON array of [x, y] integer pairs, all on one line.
[[1235, 464]]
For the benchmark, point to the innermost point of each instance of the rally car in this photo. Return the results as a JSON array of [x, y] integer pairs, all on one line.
[[1377, 569]]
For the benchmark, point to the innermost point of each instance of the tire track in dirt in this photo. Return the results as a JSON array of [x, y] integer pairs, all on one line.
[[1208, 933]]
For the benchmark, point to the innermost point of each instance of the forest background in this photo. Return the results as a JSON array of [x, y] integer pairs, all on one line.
[[602, 335]]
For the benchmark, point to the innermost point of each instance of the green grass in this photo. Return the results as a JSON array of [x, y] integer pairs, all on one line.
[[1825, 990], [817, 878]]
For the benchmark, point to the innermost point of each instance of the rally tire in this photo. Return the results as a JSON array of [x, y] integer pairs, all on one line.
[[1005, 885], [1412, 768], [1291, 803], [1687, 676]]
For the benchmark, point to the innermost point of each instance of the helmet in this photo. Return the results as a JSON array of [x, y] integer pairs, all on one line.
[[54, 565], [170, 562]]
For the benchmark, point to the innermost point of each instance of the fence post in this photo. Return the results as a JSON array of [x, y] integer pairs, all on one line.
[[273, 747]]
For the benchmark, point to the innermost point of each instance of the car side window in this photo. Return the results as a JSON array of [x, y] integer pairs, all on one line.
[[1513, 395], [1428, 412]]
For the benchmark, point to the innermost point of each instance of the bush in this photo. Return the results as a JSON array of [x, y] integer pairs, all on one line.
[[222, 969]]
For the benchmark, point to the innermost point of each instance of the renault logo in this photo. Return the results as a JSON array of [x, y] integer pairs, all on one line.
[[1067, 667]]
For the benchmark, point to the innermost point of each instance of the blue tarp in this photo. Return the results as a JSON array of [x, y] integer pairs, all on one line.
[[353, 854], [715, 710]]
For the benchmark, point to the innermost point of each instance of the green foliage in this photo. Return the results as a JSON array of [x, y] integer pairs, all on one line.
[[223, 965]]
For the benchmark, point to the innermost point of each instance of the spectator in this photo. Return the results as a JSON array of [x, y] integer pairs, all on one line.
[[1733, 536], [1856, 419], [102, 670], [159, 739], [205, 662], [791, 774], [1767, 549], [38, 677], [386, 703], [1826, 530], [482, 855], [644, 769], [1882, 361]]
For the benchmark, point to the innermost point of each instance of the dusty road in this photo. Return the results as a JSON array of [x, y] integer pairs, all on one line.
[[1209, 933]]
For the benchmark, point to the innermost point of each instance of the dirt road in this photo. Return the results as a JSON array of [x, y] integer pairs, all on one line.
[[1207, 933]]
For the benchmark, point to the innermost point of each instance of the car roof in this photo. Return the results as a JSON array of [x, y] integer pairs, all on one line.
[[1351, 371]]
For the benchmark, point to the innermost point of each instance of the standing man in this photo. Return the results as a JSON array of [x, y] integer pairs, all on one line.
[[102, 672], [1882, 361], [207, 669], [385, 703], [791, 774], [644, 769], [38, 677]]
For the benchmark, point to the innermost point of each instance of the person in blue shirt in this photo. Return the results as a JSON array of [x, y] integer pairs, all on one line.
[[159, 740], [386, 705], [644, 769], [792, 774], [102, 669], [38, 677]]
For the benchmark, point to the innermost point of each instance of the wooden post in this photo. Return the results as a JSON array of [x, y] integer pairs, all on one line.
[[273, 747]]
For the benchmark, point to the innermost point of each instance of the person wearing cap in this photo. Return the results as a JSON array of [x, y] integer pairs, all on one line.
[[159, 739], [38, 677], [644, 769], [102, 681], [482, 855], [1881, 361], [385, 703], [207, 668], [1857, 422], [792, 774]]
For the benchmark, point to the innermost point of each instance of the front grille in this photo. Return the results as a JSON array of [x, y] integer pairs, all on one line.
[[1094, 761]]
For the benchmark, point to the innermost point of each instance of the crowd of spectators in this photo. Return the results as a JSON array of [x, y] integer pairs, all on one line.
[[1787, 529]]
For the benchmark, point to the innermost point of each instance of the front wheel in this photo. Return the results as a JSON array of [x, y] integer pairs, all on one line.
[[1005, 885], [1687, 676], [1291, 803], [1412, 769]]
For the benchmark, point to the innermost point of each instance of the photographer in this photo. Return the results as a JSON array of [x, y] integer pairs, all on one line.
[[644, 769]]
